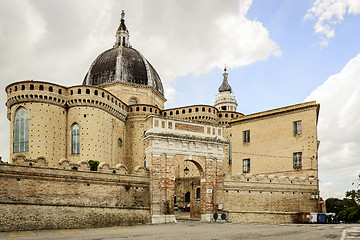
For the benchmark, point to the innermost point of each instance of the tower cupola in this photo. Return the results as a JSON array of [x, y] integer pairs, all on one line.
[[225, 100], [225, 86]]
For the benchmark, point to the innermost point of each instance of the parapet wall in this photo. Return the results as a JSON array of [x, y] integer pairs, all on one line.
[[202, 113], [33, 196], [272, 199], [37, 91]]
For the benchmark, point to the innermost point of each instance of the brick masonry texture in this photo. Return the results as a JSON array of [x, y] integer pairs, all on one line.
[[189, 128], [46, 198], [262, 199]]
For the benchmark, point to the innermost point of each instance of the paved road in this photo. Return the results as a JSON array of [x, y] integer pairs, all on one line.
[[197, 230]]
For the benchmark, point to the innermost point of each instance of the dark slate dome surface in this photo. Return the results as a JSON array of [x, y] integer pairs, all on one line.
[[123, 64]]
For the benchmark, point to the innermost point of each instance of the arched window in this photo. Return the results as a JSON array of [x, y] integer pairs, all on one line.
[[75, 139], [187, 197], [21, 131], [230, 156], [133, 101], [197, 193], [144, 162]]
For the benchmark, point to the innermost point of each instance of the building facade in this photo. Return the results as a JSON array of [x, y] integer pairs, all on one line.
[[213, 157]]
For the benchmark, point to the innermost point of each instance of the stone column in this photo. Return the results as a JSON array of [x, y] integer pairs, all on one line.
[[161, 188], [219, 184], [169, 185], [208, 183], [213, 184]]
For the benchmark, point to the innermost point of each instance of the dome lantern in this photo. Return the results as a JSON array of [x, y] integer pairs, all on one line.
[[122, 34]]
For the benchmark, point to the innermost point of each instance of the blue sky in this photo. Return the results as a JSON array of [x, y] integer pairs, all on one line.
[[276, 56], [284, 80]]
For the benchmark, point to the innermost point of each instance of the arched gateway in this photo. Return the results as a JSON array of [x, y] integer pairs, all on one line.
[[170, 142]]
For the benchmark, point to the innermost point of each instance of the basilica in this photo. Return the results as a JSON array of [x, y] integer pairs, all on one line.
[[261, 167]]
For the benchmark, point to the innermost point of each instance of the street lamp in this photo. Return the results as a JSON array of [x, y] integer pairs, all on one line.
[[186, 170], [314, 195]]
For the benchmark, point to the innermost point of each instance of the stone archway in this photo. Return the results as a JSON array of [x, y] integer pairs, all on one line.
[[186, 183], [164, 152]]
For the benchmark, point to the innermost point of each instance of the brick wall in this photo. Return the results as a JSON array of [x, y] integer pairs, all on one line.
[[47, 198], [268, 199]]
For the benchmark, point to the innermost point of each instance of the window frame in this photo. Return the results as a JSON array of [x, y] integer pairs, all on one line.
[[246, 165], [246, 136], [230, 150], [197, 193], [21, 131], [75, 139], [297, 127], [297, 160], [133, 101]]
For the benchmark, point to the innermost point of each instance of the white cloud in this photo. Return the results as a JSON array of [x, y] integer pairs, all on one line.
[[193, 40], [328, 13], [56, 41], [339, 123]]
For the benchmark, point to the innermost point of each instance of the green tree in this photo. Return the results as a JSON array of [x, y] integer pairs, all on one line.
[[93, 165], [348, 208], [334, 205]]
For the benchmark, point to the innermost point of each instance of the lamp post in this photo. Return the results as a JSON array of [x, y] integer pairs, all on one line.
[[186, 170]]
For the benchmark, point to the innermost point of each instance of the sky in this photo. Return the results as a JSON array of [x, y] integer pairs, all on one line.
[[278, 53]]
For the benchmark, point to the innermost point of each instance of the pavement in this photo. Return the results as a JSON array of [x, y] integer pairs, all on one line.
[[351, 233], [185, 229]]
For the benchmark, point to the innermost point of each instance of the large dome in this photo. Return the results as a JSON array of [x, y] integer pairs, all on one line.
[[123, 63]]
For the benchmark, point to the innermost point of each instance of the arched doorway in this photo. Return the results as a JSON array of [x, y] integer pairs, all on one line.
[[187, 197], [187, 184]]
